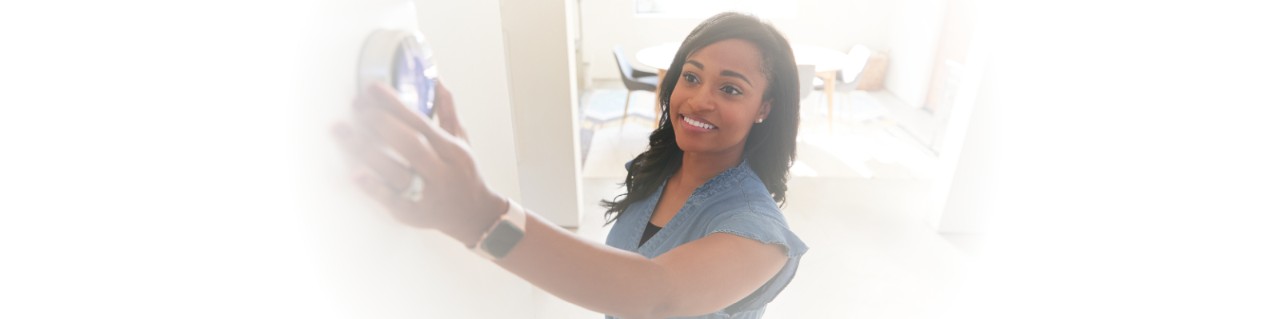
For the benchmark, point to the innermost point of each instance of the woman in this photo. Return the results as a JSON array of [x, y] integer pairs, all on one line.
[[699, 231]]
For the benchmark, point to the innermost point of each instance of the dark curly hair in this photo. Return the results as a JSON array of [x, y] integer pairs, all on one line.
[[771, 146]]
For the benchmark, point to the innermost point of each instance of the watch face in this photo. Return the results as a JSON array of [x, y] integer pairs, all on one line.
[[502, 239]]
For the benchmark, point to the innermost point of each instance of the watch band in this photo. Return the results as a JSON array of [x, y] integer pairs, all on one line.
[[503, 235]]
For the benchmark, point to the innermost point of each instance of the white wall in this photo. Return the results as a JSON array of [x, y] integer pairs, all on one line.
[[168, 159], [961, 197], [469, 48], [965, 195], [498, 57], [913, 32], [831, 23], [149, 159], [544, 105], [379, 268], [1131, 177]]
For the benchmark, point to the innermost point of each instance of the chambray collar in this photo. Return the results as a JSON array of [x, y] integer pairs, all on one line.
[[725, 180], [721, 181]]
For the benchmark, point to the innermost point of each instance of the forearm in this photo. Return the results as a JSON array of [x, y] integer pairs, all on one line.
[[586, 273]]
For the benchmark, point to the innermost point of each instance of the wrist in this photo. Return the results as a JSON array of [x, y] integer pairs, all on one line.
[[470, 225], [503, 236]]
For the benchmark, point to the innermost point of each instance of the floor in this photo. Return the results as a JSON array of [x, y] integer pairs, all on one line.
[[855, 199]]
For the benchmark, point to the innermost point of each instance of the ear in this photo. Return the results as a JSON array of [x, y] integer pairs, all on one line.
[[764, 109]]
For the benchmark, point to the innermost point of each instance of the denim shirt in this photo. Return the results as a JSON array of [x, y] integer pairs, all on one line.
[[734, 202]]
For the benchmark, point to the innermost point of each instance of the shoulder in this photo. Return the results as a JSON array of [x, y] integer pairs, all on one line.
[[743, 195], [743, 207]]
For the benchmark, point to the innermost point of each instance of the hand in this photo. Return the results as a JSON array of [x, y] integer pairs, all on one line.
[[454, 198]]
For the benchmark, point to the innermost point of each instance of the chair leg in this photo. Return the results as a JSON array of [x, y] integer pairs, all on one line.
[[625, 109]]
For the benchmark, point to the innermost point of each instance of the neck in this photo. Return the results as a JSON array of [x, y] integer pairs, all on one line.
[[696, 169]]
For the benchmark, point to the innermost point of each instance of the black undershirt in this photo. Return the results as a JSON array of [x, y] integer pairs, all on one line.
[[649, 230]]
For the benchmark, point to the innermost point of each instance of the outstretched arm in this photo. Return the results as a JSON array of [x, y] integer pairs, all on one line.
[[699, 277]]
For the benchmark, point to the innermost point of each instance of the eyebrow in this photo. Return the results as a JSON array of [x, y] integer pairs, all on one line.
[[722, 73]]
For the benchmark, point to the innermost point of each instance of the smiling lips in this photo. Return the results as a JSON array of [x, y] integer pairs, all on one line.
[[697, 124]]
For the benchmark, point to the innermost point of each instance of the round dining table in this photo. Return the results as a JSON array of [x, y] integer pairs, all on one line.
[[826, 63]]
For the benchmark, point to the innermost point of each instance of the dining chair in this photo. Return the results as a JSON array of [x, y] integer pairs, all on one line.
[[865, 71], [847, 78], [634, 80]]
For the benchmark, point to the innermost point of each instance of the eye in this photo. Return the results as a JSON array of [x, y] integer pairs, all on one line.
[[730, 90], [689, 77]]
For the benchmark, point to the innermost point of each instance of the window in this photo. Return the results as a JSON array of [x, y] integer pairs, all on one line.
[[704, 8]]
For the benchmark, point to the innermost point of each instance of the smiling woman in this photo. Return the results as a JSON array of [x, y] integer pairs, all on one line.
[[699, 232], [718, 162]]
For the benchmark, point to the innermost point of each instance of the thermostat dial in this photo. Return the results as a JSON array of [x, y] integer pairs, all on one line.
[[401, 59]]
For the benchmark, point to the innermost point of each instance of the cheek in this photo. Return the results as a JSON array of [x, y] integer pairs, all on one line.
[[679, 95], [748, 111], [744, 119]]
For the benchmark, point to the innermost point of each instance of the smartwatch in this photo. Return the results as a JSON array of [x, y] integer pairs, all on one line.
[[503, 236]]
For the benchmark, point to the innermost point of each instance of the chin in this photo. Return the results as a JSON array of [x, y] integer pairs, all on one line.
[[688, 146]]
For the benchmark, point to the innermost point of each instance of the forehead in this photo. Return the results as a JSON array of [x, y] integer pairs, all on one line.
[[732, 54]]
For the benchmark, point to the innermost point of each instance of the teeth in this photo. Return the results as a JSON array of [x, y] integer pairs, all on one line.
[[698, 124]]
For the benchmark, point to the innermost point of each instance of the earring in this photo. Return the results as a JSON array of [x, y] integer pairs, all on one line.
[[759, 120]]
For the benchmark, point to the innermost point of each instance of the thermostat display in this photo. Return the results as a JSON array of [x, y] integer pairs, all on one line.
[[403, 60]]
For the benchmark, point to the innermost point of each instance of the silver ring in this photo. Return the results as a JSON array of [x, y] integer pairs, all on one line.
[[413, 192]]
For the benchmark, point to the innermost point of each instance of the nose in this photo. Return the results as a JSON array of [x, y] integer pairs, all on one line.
[[703, 99]]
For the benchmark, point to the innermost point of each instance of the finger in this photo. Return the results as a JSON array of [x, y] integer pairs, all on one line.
[[402, 139], [393, 172], [446, 113], [354, 133], [362, 137], [390, 198], [387, 101]]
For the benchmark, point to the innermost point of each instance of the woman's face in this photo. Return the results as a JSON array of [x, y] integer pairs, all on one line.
[[718, 98]]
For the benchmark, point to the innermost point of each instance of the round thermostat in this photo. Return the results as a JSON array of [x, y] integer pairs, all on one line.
[[403, 60]]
